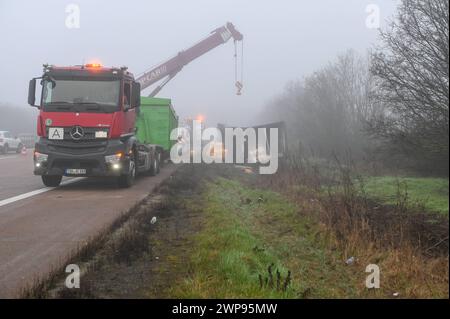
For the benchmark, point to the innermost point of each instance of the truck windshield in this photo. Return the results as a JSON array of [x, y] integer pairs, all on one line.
[[81, 95]]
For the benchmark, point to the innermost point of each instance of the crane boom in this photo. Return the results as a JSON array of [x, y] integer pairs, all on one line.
[[171, 67]]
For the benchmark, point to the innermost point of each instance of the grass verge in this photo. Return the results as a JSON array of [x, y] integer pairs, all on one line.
[[254, 244]]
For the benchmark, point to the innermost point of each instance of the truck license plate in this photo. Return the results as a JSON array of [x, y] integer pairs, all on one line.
[[76, 171]]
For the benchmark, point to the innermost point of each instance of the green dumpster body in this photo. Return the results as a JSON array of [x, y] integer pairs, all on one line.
[[156, 120]]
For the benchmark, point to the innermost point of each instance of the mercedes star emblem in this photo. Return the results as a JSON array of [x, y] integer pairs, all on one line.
[[77, 132]]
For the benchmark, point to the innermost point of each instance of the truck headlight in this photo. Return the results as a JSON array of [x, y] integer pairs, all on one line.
[[40, 158], [114, 159]]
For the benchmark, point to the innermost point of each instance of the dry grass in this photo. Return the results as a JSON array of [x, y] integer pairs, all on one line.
[[409, 244]]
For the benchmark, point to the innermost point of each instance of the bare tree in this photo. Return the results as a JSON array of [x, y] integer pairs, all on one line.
[[412, 76], [326, 111]]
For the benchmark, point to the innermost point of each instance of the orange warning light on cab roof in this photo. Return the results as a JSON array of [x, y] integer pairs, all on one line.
[[93, 65], [200, 118]]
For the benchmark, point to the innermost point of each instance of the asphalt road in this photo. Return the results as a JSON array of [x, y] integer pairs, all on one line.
[[40, 227]]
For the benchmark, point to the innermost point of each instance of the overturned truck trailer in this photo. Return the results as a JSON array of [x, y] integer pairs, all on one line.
[[250, 152]]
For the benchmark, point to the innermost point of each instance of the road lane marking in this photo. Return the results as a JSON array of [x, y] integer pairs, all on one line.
[[7, 157], [36, 192]]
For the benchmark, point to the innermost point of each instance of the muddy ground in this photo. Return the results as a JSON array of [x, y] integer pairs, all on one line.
[[150, 251]]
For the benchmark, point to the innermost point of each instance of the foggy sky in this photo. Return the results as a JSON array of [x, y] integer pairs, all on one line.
[[283, 41]]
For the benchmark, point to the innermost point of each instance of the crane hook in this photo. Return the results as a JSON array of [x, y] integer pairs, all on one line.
[[239, 87], [238, 83]]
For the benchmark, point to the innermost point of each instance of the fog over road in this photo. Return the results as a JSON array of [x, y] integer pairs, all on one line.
[[39, 230], [16, 175]]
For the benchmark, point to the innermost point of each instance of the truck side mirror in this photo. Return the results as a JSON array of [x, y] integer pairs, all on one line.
[[32, 92], [136, 94]]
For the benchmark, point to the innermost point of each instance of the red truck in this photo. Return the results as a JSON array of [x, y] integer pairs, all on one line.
[[86, 124]]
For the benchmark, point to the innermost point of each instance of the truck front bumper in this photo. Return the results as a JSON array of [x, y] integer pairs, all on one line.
[[80, 159]]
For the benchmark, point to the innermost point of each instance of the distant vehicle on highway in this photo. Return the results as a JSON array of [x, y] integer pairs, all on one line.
[[9, 142], [28, 139]]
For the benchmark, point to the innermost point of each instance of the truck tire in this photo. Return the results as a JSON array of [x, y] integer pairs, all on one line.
[[159, 163], [126, 181], [161, 160], [51, 180], [154, 169], [5, 149]]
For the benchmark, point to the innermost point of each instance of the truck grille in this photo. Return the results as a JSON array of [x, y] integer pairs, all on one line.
[[88, 134]]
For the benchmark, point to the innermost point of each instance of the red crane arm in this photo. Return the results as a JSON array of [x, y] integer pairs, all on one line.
[[172, 66]]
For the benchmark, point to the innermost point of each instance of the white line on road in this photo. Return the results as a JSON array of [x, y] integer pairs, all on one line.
[[1, 158], [36, 192]]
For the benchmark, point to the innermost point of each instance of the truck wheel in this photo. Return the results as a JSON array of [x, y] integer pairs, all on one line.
[[154, 169], [51, 180], [126, 181], [5, 149], [159, 163]]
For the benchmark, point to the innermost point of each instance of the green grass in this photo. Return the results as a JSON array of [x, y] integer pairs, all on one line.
[[430, 192], [245, 231]]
